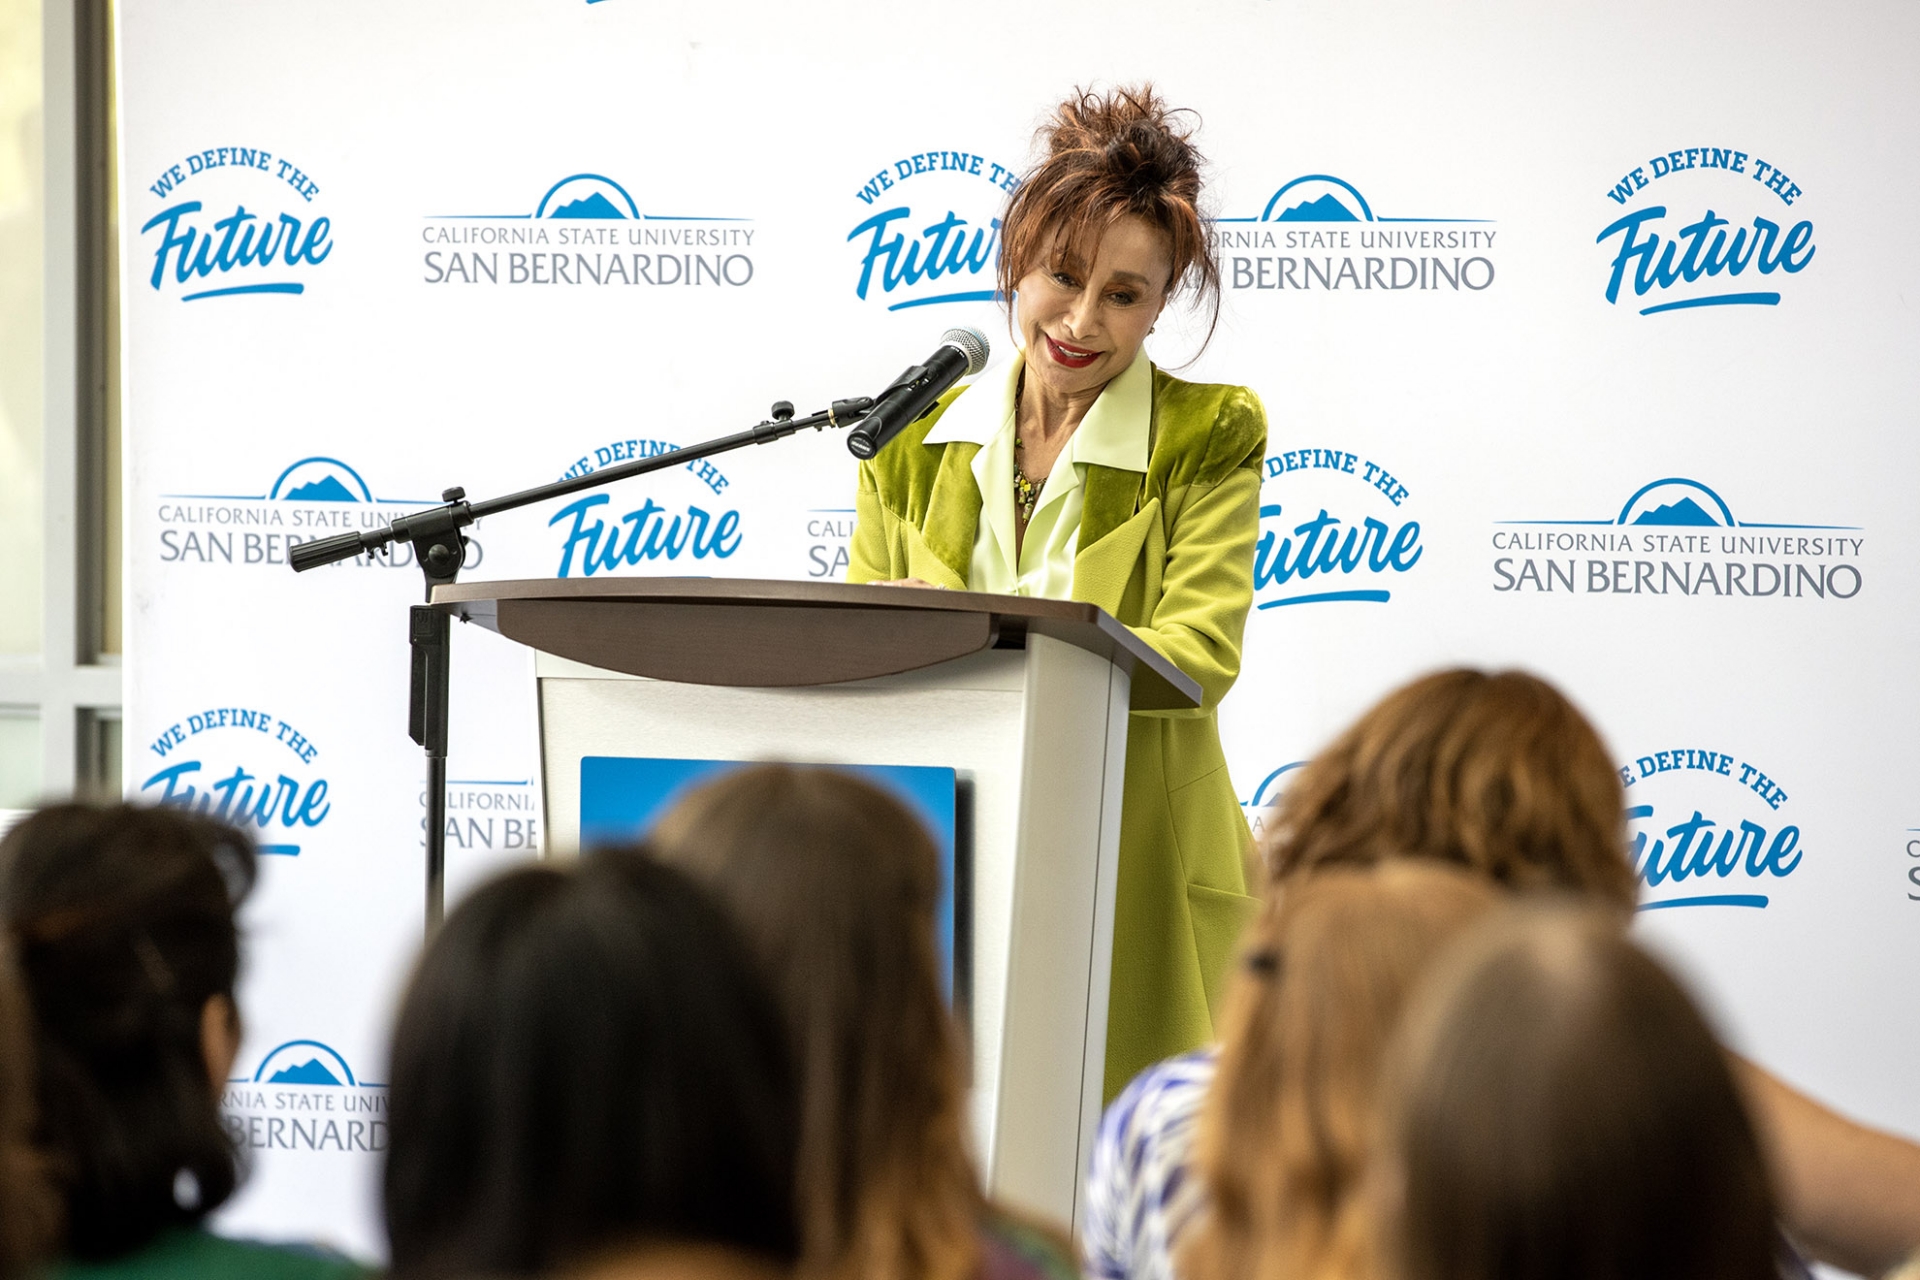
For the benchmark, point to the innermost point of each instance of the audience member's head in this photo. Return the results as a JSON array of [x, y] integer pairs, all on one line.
[[587, 1065], [29, 1205], [834, 884], [1554, 1108], [1284, 1133], [1498, 773], [123, 920]]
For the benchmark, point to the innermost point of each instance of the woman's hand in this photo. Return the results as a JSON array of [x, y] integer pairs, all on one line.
[[908, 582]]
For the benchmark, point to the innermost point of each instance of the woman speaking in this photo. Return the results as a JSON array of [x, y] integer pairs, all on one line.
[[1088, 474]]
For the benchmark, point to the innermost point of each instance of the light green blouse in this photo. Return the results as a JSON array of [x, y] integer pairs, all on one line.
[[1115, 433]]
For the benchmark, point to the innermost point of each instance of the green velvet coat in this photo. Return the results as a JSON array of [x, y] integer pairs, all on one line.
[[1170, 554]]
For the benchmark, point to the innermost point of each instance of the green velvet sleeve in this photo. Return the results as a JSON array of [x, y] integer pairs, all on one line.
[[1207, 586]]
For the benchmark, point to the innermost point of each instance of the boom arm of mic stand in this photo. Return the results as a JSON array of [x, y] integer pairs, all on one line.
[[430, 529], [439, 547]]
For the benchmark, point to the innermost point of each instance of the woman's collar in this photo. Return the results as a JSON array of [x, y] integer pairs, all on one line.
[[982, 411], [1115, 432]]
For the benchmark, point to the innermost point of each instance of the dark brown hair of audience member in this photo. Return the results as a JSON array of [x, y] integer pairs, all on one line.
[[1110, 156], [123, 921], [1495, 772], [834, 883], [1283, 1133], [29, 1206], [588, 1071], [1555, 1108]]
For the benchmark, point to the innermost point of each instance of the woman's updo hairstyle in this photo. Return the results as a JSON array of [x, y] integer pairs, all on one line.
[[1107, 157]]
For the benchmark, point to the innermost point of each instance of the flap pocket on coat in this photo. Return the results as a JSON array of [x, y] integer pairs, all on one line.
[[1218, 919]]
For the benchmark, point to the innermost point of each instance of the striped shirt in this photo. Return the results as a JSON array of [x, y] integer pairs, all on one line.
[[1141, 1189]]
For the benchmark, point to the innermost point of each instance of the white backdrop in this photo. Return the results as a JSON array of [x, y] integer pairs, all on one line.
[[506, 240]]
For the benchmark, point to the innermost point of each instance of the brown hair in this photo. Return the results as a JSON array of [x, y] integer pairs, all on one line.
[[1109, 157], [1554, 1108], [1495, 772], [29, 1206], [1283, 1132], [834, 884], [123, 917]]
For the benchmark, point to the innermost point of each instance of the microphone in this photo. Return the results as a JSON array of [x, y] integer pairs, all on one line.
[[962, 353]]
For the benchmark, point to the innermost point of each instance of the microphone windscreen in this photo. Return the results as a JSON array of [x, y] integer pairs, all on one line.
[[971, 343]]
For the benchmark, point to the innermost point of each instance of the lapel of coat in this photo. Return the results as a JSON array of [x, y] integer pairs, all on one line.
[[1113, 528], [953, 516]]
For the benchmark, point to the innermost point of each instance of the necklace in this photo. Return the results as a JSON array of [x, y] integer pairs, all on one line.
[[1026, 490]]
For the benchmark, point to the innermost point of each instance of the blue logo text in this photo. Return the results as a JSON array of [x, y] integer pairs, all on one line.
[[652, 533], [243, 803], [240, 240], [1708, 252], [1689, 849]]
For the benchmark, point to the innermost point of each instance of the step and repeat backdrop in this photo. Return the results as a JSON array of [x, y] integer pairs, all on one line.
[[1587, 336]]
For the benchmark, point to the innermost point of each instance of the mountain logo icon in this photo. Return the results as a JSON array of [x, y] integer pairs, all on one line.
[[1321, 197], [1684, 512], [308, 1072], [305, 1062], [585, 197], [588, 195], [313, 480], [320, 479], [1677, 503], [1324, 209], [325, 489], [593, 206], [1318, 197]]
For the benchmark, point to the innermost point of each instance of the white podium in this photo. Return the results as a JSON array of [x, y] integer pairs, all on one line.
[[1026, 700]]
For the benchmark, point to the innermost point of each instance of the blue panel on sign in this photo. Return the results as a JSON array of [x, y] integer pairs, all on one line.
[[622, 796]]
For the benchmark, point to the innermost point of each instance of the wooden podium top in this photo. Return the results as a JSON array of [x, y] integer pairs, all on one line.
[[753, 632]]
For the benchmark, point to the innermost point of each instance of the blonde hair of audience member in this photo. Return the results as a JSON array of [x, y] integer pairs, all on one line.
[[834, 884], [1283, 1136], [1502, 774], [1495, 772], [1553, 1107]]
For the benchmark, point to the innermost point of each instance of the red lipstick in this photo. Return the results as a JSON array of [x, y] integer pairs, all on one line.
[[1070, 357]]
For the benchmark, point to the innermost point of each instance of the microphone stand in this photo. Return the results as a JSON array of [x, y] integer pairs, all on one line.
[[439, 548]]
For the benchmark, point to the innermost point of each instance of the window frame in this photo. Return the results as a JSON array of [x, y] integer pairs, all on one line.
[[74, 687]]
